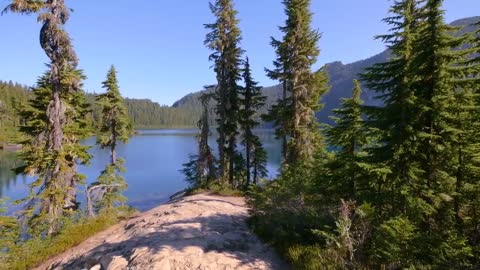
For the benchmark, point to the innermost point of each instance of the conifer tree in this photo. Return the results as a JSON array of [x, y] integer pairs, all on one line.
[[424, 128], [259, 161], [394, 155], [224, 40], [9, 229], [115, 127], [205, 156], [37, 157], [251, 101], [280, 112], [200, 169], [349, 137], [296, 55], [53, 152]]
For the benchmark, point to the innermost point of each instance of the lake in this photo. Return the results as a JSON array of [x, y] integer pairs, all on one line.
[[153, 159]]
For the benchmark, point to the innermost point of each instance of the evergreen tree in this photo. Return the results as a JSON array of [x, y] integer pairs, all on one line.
[[9, 229], [441, 96], [296, 54], [224, 40], [206, 159], [348, 137], [115, 127], [48, 194], [423, 128], [200, 170], [259, 160], [52, 154], [251, 101], [280, 112], [394, 155]]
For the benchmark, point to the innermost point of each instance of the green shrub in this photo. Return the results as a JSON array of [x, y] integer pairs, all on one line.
[[217, 189], [394, 241], [37, 250]]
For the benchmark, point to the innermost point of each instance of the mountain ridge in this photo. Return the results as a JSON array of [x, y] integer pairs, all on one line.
[[341, 78]]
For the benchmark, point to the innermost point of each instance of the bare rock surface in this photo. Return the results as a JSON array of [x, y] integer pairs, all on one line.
[[197, 232]]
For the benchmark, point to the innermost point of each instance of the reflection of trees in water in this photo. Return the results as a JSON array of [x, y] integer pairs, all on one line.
[[8, 161]]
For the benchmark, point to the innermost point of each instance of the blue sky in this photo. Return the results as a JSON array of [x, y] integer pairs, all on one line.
[[157, 45]]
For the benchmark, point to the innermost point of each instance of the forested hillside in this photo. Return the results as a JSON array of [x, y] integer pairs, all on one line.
[[143, 112], [12, 95], [341, 78]]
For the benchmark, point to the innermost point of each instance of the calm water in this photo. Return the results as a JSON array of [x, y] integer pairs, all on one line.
[[153, 160]]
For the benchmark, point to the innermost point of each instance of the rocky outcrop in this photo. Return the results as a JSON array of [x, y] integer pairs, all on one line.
[[10, 147], [196, 232]]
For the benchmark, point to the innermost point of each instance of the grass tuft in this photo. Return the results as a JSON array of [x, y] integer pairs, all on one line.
[[35, 251]]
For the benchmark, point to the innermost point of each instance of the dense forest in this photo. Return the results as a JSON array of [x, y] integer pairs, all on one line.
[[391, 180], [393, 183]]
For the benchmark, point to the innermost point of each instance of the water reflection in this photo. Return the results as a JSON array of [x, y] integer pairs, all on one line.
[[153, 160], [8, 179]]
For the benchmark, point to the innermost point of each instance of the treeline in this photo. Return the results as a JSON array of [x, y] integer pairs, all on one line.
[[12, 96], [144, 113]]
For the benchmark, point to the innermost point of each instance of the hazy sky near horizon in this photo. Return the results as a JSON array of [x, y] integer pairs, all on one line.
[[157, 45]]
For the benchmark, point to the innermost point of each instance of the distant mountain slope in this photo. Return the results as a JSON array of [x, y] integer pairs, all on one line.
[[185, 112], [341, 80]]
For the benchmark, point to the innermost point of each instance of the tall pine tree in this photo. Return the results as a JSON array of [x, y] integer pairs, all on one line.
[[394, 155], [206, 158], [224, 40], [422, 130], [252, 100], [348, 137], [280, 112], [53, 150], [200, 171], [115, 127], [296, 54]]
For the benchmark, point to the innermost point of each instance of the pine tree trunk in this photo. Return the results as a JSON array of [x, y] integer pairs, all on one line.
[[284, 123], [56, 118], [90, 212], [231, 159], [255, 172], [295, 118], [55, 181], [221, 154], [352, 180], [114, 154], [221, 131], [114, 143], [247, 156]]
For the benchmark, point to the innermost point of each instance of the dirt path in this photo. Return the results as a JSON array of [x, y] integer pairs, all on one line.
[[196, 232]]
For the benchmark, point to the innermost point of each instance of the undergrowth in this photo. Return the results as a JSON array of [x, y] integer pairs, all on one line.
[[34, 251]]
